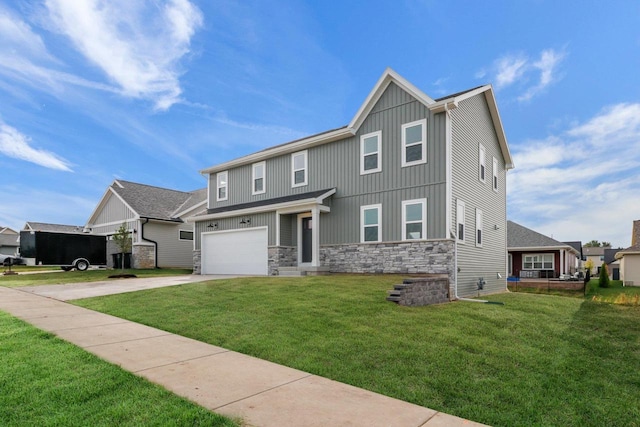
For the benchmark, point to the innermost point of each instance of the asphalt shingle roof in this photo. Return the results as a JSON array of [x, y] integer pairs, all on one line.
[[53, 228], [155, 202], [519, 236]]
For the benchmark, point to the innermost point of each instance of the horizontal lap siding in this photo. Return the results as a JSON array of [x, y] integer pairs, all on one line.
[[172, 252], [471, 126]]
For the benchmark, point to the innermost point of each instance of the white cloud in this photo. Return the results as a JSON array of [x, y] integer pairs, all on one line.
[[17, 36], [584, 181], [138, 45], [16, 145], [519, 70]]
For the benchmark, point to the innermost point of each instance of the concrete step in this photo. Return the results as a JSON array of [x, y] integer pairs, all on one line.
[[291, 273]]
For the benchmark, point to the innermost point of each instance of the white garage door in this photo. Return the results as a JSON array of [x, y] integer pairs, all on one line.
[[235, 252]]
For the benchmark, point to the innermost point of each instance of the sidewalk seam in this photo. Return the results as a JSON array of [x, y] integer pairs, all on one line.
[[182, 361], [264, 391]]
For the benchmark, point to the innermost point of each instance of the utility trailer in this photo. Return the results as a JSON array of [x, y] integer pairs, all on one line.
[[68, 250]]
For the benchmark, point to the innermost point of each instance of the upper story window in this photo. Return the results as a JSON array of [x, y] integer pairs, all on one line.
[[371, 223], [479, 221], [414, 143], [258, 175], [222, 186], [414, 219], [370, 152], [185, 235], [299, 169], [495, 174], [482, 163], [460, 215]]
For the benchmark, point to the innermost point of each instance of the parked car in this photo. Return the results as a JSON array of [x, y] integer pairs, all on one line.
[[11, 260]]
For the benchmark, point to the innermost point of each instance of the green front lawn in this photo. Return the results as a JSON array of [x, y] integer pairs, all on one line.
[[64, 277], [537, 360], [45, 381]]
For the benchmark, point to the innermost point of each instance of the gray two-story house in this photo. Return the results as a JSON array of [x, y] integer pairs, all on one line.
[[411, 185]]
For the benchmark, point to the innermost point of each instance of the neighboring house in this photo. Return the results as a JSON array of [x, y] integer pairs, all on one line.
[[52, 228], [411, 185], [613, 265], [596, 255], [155, 218], [9, 241], [534, 255], [629, 259]]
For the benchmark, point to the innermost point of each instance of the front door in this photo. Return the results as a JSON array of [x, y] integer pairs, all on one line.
[[307, 243]]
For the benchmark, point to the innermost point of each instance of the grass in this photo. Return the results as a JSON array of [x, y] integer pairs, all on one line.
[[537, 360], [614, 294], [63, 277], [48, 382]]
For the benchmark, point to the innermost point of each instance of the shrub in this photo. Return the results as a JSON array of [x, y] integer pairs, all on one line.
[[603, 281]]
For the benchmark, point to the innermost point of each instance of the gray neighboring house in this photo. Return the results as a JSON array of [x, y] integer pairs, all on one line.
[[412, 185], [52, 228], [9, 241], [534, 255], [155, 218]]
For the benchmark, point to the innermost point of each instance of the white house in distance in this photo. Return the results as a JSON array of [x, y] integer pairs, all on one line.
[[630, 259]]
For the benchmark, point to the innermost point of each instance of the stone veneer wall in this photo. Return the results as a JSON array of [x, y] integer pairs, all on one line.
[[197, 266], [421, 291], [282, 256], [144, 256]]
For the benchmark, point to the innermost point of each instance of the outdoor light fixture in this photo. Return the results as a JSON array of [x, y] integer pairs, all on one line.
[[496, 227], [213, 225], [245, 221]]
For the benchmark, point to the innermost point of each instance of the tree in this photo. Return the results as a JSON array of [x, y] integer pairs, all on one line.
[[588, 265], [606, 244], [592, 244], [122, 239], [603, 281]]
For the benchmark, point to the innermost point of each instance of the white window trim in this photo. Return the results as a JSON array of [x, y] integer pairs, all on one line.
[[479, 227], [186, 231], [482, 163], [423, 160], [461, 207], [377, 134], [378, 207], [553, 261], [218, 186], [264, 178], [423, 202], [494, 181], [305, 168]]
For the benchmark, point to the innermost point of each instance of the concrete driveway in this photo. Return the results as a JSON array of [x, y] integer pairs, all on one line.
[[73, 291]]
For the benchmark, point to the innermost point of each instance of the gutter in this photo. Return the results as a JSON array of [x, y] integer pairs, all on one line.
[[155, 244]]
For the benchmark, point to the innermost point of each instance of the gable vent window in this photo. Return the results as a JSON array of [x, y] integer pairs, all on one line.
[[299, 169], [222, 185], [482, 164], [414, 143], [258, 178], [460, 214], [370, 153]]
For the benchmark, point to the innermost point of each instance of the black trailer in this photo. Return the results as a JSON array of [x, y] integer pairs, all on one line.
[[67, 250]]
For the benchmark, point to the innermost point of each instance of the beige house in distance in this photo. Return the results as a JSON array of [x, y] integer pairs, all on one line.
[[630, 259]]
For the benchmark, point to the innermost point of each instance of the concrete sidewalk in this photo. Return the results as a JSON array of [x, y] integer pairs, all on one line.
[[261, 393]]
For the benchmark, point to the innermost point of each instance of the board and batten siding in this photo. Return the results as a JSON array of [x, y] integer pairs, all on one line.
[[337, 165], [114, 211], [265, 219], [471, 126]]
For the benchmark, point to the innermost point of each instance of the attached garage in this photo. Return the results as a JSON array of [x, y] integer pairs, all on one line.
[[236, 252]]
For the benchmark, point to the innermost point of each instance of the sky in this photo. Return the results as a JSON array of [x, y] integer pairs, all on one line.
[[155, 91]]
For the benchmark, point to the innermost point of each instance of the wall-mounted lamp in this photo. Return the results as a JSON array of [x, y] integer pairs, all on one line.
[[498, 276], [213, 225], [496, 227], [135, 231], [245, 221]]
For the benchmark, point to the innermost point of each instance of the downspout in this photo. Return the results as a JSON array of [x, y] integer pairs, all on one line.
[[155, 244], [454, 231]]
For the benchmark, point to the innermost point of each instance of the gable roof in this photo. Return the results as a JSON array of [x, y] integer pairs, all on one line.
[[522, 238], [9, 240], [389, 76], [634, 249], [53, 228], [147, 201], [577, 245], [7, 230]]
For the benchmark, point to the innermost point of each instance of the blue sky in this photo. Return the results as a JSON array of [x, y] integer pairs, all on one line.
[[154, 91]]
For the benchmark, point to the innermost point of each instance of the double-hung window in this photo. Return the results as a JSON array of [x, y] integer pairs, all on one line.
[[371, 223], [414, 143], [299, 169], [460, 215], [414, 219], [482, 163], [222, 186], [258, 178], [479, 221], [371, 153], [495, 175]]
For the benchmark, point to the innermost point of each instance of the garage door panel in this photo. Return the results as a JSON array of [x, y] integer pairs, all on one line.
[[235, 252]]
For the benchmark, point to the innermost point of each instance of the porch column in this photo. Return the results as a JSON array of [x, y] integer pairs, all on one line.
[[315, 236], [562, 269]]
